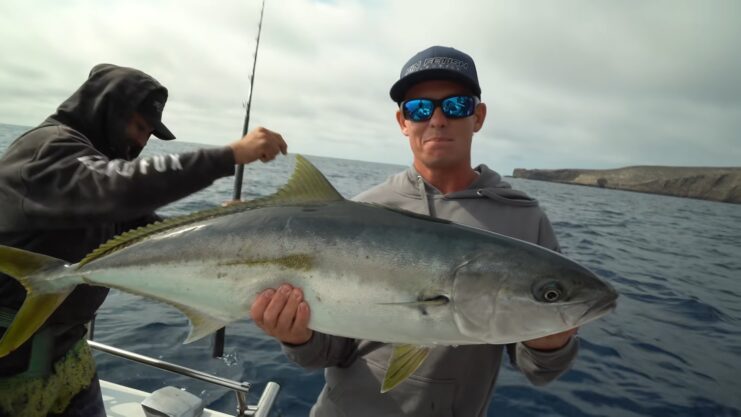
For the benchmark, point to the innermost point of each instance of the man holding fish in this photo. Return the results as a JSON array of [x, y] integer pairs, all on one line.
[[440, 109]]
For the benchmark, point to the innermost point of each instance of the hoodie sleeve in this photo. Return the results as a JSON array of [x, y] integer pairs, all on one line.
[[541, 367], [321, 351], [69, 182]]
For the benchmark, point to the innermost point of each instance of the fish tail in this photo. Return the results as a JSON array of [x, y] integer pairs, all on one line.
[[34, 272]]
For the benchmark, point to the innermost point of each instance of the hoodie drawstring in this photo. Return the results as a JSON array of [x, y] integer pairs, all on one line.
[[425, 198]]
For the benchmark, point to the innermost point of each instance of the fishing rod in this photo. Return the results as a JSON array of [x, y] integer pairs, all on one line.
[[218, 349], [240, 168]]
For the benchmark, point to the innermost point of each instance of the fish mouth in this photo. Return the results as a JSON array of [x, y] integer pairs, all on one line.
[[600, 307]]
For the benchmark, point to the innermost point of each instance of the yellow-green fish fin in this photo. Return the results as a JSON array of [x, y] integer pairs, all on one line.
[[404, 360], [307, 185], [41, 298]]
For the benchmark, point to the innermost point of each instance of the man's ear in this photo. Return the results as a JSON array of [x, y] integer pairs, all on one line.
[[402, 122], [480, 115]]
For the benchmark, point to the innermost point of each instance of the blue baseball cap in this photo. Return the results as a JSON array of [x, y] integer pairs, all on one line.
[[436, 63]]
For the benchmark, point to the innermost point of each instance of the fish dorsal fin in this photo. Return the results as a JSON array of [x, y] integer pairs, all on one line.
[[307, 185], [404, 360]]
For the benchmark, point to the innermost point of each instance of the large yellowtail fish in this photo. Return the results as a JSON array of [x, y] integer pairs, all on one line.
[[367, 272]]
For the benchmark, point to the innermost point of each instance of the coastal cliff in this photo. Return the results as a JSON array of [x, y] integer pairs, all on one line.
[[716, 184]]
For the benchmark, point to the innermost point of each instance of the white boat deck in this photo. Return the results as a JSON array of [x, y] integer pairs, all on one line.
[[121, 401]]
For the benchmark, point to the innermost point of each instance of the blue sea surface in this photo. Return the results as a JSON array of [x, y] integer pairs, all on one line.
[[672, 347]]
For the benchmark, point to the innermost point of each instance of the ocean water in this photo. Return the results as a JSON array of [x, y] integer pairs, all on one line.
[[672, 347]]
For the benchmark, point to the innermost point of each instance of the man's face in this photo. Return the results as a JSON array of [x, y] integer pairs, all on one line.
[[440, 142], [138, 131]]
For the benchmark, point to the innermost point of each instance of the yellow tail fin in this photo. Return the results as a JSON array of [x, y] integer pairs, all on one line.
[[43, 296]]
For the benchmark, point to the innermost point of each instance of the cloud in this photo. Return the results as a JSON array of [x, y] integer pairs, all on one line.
[[575, 83]]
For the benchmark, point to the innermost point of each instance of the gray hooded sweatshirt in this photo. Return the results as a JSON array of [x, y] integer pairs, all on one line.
[[453, 381]]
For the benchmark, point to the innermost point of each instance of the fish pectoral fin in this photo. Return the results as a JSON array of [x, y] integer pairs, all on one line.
[[439, 300], [423, 303], [201, 324], [404, 360]]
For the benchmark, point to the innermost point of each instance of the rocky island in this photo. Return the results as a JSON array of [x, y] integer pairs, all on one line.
[[716, 184]]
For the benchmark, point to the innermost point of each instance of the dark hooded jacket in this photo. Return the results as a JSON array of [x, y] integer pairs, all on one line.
[[74, 181], [452, 381]]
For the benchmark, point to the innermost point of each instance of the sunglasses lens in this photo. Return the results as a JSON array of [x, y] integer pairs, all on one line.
[[458, 107], [418, 109], [455, 107]]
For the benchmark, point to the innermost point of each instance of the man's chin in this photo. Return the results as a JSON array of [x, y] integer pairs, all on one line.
[[441, 160]]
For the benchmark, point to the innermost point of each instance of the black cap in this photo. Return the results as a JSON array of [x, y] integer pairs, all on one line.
[[436, 63], [151, 109]]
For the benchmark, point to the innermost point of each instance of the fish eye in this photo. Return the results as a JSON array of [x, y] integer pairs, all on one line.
[[550, 292]]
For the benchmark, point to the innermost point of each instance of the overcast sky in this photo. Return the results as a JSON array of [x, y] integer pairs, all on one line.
[[568, 84]]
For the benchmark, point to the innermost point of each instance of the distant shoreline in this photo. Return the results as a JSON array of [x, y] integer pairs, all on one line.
[[705, 183]]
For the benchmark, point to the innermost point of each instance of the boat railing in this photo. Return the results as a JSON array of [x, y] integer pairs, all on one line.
[[241, 389]]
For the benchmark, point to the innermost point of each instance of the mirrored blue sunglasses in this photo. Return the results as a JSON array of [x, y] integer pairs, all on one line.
[[453, 107]]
